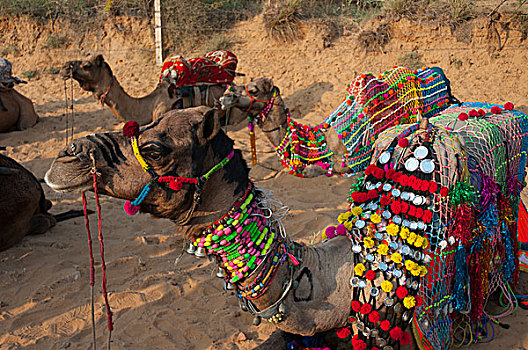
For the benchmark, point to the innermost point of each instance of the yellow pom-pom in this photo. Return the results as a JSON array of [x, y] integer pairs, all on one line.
[[375, 218], [423, 271], [323, 235], [409, 302], [397, 258], [425, 243], [387, 286], [368, 242], [359, 269], [356, 211], [410, 265], [419, 241], [383, 249], [348, 225], [412, 238], [393, 229], [404, 233]]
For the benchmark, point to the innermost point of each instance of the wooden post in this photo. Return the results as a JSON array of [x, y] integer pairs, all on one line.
[[158, 37]]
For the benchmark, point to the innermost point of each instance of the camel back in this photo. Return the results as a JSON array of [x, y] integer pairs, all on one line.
[[372, 105], [434, 222], [216, 67]]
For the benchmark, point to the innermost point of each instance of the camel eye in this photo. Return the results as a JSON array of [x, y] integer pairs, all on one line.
[[253, 89], [153, 155], [87, 65]]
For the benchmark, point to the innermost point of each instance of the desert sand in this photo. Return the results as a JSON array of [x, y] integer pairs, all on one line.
[[157, 304]]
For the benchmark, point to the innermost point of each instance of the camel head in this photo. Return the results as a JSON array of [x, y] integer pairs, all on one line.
[[184, 143], [93, 75], [255, 98]]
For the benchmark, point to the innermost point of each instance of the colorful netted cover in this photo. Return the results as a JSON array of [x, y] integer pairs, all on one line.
[[216, 67], [373, 105], [433, 220]]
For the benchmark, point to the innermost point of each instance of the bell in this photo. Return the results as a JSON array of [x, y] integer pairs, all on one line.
[[220, 273], [200, 252], [191, 249], [256, 321], [282, 308], [228, 286]]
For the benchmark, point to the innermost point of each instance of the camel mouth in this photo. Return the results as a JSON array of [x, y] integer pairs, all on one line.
[[67, 175], [68, 188]]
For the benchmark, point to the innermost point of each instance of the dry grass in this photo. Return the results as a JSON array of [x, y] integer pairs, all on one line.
[[411, 60], [460, 11], [284, 21], [374, 40]]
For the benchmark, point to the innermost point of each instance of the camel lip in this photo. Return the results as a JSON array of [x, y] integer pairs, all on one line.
[[82, 187]]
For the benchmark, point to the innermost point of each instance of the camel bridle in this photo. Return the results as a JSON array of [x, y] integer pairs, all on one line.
[[175, 183]]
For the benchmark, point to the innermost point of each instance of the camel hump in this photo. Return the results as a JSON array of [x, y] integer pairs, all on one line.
[[215, 67]]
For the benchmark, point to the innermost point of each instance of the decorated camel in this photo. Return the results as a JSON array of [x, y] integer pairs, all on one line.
[[342, 143], [183, 83], [23, 206], [427, 239], [16, 110]]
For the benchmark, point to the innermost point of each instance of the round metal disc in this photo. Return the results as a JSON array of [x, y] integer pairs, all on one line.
[[354, 281], [412, 164], [406, 223], [397, 273], [406, 250], [373, 206], [378, 184], [421, 152], [397, 219], [427, 166], [418, 200], [411, 196], [360, 224], [393, 245], [384, 157], [388, 301], [405, 196], [387, 187], [387, 214], [374, 291], [396, 192], [421, 225], [378, 236], [356, 249], [362, 284], [383, 266], [414, 225], [370, 257]]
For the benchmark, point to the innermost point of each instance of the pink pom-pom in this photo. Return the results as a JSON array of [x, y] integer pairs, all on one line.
[[330, 231], [404, 142], [130, 209], [131, 128], [341, 230], [509, 106]]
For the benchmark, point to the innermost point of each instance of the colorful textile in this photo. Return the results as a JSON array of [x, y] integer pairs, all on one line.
[[216, 67], [433, 221], [6, 74], [372, 105]]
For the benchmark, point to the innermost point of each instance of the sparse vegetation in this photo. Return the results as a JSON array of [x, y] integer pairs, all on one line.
[[56, 41], [372, 40], [29, 74], [283, 22], [52, 70], [461, 11], [219, 42], [411, 60]]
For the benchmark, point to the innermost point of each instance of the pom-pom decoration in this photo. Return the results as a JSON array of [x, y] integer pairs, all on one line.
[[131, 129]]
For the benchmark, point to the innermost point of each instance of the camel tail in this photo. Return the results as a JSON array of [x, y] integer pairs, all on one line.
[[70, 214]]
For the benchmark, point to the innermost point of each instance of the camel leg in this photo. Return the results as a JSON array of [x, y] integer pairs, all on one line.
[[41, 223], [28, 117]]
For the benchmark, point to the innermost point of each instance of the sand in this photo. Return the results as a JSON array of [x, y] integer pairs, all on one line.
[[157, 304]]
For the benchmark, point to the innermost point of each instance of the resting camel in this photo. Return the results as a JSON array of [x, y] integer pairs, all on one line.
[[16, 110], [23, 206], [183, 167], [342, 143], [95, 75]]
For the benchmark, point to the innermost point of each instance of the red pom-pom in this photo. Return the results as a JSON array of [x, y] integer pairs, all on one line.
[[404, 180], [508, 106], [355, 305], [359, 344], [463, 116], [404, 207], [396, 333], [424, 186], [473, 113], [401, 292], [175, 185], [496, 110], [433, 187], [396, 176], [385, 325], [419, 301], [131, 128], [405, 338], [365, 309], [403, 142], [427, 216], [368, 170], [385, 200], [389, 173], [419, 213], [359, 197], [396, 207], [374, 317], [444, 191], [481, 112], [343, 332], [370, 275], [372, 194], [412, 210]]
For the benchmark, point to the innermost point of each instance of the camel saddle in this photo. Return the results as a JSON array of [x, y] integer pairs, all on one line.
[[216, 67]]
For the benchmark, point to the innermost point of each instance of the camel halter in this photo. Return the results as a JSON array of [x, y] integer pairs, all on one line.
[[131, 129], [104, 94]]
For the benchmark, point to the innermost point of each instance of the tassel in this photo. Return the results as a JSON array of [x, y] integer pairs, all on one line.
[[252, 143], [461, 278]]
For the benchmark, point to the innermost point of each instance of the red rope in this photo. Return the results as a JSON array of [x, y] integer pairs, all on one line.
[[101, 249], [87, 224]]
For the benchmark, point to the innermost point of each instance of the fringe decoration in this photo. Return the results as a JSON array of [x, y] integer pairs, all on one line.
[[509, 256], [460, 300], [463, 192], [488, 192]]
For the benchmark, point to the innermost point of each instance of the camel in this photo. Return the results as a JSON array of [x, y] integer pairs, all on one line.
[[16, 111], [183, 167], [95, 75], [342, 146], [23, 206]]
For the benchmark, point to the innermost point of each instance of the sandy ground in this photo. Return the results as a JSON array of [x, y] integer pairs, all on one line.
[[44, 292]]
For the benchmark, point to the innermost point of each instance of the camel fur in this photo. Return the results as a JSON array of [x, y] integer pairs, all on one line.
[[95, 75], [23, 207], [16, 111]]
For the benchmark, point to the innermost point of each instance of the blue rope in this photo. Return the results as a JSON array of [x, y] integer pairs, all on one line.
[[142, 196]]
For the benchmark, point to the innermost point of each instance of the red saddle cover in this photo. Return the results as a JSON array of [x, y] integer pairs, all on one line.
[[216, 67]]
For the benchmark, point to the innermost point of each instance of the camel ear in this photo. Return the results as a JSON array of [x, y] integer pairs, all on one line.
[[268, 84], [99, 60], [207, 124]]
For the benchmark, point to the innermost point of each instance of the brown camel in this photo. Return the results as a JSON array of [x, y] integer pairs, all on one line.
[[95, 75], [23, 207], [275, 124], [189, 143], [16, 110]]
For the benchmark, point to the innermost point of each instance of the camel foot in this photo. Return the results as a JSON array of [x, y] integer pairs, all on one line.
[[41, 223]]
